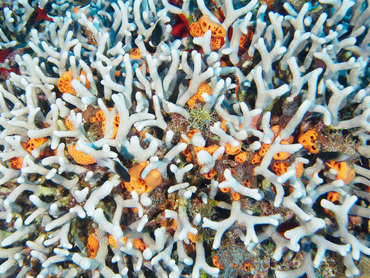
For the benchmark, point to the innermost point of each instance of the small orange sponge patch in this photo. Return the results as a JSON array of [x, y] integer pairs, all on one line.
[[203, 88], [100, 116], [68, 124], [280, 167], [80, 157], [34, 143], [206, 23], [151, 181], [92, 246], [16, 163], [345, 172], [195, 30], [139, 244], [308, 139], [64, 83]]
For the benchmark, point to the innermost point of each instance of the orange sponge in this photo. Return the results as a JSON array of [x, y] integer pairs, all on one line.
[[151, 181], [280, 167], [195, 30], [135, 54], [282, 155], [16, 163], [308, 139], [139, 244], [206, 23], [80, 157], [210, 174], [92, 246], [345, 172], [203, 88], [64, 82], [112, 241], [216, 43], [256, 159], [232, 150], [68, 124], [241, 157], [33, 143], [333, 197], [235, 196], [264, 147], [245, 40], [100, 116], [115, 126]]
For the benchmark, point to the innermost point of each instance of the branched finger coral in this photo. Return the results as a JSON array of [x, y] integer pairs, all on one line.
[[148, 138]]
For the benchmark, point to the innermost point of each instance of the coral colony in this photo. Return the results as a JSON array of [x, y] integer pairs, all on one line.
[[183, 138]]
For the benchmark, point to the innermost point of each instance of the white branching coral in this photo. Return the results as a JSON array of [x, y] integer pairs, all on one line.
[[142, 138]]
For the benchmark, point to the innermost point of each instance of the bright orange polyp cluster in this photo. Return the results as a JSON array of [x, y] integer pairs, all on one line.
[[151, 181], [247, 266], [169, 223], [92, 246], [33, 143], [308, 139], [210, 149], [280, 167], [192, 237], [205, 23], [225, 189], [281, 156], [64, 83], [80, 157], [195, 30], [115, 126], [187, 152], [235, 196], [216, 43], [203, 88], [345, 172]]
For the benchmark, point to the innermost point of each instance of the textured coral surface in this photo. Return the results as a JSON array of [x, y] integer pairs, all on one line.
[[183, 138]]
